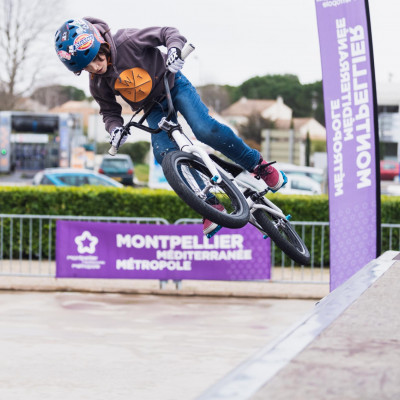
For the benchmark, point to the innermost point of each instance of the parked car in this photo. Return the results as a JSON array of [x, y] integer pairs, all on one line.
[[119, 167], [389, 170], [72, 177], [317, 174], [300, 184]]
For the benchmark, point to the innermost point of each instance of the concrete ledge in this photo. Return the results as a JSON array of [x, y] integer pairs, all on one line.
[[34, 275], [347, 348], [186, 288]]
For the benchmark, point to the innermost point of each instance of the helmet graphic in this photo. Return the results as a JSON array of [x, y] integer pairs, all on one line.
[[77, 43]]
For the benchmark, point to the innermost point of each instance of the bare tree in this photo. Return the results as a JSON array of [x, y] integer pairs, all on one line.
[[255, 125], [24, 25], [215, 96]]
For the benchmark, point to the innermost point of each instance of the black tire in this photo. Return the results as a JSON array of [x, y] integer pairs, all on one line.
[[284, 235], [178, 164]]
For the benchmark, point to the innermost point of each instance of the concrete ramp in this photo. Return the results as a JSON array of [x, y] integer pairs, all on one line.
[[347, 348]]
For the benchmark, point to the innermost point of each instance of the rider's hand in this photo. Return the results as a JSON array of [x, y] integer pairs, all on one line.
[[118, 137], [174, 62]]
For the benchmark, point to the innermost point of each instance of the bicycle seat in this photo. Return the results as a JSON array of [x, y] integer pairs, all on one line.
[[234, 169]]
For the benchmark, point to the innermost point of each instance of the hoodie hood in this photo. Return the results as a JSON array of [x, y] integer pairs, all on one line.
[[105, 31]]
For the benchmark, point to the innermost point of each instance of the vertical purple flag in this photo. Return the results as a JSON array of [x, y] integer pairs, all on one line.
[[351, 133]]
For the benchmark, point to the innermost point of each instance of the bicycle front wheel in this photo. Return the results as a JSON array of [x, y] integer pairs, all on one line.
[[284, 236], [191, 180]]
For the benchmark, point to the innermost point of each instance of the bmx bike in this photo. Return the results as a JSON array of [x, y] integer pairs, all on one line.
[[204, 181]]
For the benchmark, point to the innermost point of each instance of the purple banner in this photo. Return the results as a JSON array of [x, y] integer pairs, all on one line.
[[134, 251], [349, 99]]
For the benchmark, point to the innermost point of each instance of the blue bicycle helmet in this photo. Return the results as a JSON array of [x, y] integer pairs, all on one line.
[[77, 43]]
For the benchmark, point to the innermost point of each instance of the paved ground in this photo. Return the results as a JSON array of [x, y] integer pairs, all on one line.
[[101, 344], [60, 345]]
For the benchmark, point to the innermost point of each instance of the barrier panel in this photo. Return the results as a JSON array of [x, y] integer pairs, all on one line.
[[127, 251]]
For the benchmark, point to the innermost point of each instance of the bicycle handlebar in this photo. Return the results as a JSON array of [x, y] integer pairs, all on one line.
[[187, 49]]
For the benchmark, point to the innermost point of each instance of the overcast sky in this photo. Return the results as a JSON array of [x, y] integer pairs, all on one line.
[[236, 40]]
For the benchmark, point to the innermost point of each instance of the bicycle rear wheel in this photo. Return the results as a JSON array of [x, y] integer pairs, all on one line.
[[191, 180], [284, 236]]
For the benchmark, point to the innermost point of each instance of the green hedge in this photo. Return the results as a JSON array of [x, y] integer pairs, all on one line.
[[93, 201], [132, 202], [141, 202], [75, 201]]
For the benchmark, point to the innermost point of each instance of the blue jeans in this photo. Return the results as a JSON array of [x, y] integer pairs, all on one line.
[[206, 129]]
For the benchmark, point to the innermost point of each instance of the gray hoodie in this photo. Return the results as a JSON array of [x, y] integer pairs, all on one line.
[[137, 66]]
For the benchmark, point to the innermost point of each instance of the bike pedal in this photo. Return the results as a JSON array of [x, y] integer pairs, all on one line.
[[211, 234]]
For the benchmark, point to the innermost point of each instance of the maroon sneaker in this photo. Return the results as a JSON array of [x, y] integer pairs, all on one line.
[[271, 176], [209, 226]]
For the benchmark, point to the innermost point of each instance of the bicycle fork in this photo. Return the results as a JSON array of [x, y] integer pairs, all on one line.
[[184, 144]]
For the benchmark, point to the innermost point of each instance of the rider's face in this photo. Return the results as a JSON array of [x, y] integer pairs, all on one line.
[[98, 65]]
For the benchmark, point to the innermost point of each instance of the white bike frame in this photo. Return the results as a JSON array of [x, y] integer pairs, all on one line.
[[245, 180]]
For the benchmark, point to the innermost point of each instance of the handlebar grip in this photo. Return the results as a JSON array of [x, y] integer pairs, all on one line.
[[187, 49], [112, 151]]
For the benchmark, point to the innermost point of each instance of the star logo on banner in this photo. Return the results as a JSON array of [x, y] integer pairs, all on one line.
[[86, 243]]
